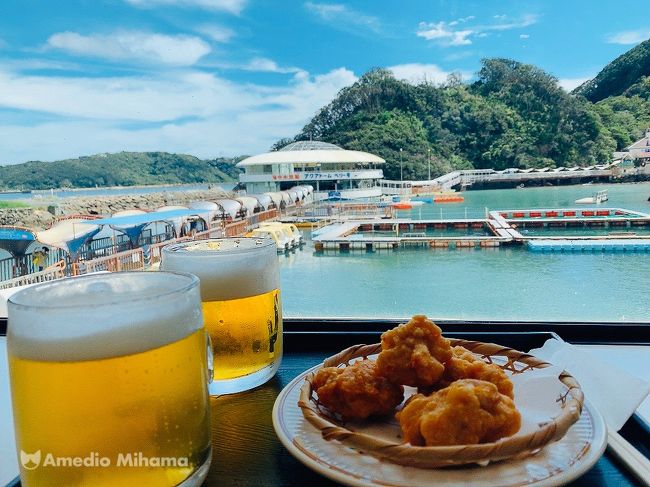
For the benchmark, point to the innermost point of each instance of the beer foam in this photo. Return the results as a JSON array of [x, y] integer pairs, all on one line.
[[102, 315], [229, 268]]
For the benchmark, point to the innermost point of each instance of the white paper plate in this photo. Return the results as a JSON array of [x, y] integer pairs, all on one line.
[[558, 463]]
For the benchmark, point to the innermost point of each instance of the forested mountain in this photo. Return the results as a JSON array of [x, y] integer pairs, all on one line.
[[512, 115], [619, 75], [121, 169], [627, 116]]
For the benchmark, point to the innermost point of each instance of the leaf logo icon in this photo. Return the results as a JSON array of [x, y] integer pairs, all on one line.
[[30, 461]]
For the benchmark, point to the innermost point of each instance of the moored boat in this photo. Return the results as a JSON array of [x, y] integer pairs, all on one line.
[[597, 198], [289, 229], [282, 242]]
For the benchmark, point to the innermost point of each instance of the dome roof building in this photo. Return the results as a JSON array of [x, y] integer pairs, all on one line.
[[334, 171]]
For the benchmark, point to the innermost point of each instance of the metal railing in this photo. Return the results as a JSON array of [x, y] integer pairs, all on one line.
[[114, 255], [55, 271]]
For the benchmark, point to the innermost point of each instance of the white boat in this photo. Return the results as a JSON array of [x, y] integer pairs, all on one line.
[[282, 242], [597, 198], [289, 230]]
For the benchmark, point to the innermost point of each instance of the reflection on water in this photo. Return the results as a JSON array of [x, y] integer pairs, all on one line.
[[496, 284], [506, 283]]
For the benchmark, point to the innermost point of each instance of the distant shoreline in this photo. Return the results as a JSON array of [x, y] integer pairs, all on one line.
[[136, 186]]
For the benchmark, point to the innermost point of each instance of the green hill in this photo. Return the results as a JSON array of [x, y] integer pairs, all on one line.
[[627, 115], [121, 169], [619, 75], [514, 115]]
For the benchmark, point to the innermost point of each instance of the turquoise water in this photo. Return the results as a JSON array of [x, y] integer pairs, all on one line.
[[627, 196], [492, 284]]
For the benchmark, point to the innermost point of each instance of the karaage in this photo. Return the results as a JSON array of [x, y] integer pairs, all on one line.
[[467, 412], [356, 392], [413, 353], [465, 365]]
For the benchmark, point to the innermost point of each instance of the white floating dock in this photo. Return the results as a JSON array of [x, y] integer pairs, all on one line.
[[590, 245]]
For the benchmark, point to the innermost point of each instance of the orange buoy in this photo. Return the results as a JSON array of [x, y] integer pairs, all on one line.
[[448, 198], [402, 205]]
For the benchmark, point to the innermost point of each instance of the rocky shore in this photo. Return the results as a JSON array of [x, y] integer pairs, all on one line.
[[44, 213]]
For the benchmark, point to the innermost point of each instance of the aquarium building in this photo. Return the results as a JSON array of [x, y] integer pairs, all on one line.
[[333, 171]]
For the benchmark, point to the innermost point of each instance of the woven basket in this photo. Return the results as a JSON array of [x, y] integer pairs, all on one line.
[[517, 446]]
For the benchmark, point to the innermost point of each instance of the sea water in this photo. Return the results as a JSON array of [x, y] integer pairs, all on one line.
[[507, 283]]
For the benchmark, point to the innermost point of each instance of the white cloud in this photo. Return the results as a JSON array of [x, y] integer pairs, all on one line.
[[217, 33], [342, 17], [259, 65], [505, 24], [179, 50], [95, 115], [230, 6], [442, 32], [524, 36], [451, 34], [417, 73], [629, 37], [570, 83], [119, 98], [262, 64]]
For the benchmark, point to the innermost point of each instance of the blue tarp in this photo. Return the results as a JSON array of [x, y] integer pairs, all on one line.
[[69, 235], [16, 240], [143, 219]]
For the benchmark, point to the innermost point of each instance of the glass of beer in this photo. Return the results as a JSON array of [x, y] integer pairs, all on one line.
[[109, 376], [240, 290]]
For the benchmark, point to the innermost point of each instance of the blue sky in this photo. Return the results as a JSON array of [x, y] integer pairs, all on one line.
[[227, 77]]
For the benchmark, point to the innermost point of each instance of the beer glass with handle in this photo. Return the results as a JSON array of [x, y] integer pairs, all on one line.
[[240, 290], [108, 377]]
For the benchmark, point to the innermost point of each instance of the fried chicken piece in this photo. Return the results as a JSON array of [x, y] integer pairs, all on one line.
[[414, 353], [357, 392], [465, 365], [465, 413]]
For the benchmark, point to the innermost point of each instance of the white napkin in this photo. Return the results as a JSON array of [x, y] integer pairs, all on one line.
[[614, 392]]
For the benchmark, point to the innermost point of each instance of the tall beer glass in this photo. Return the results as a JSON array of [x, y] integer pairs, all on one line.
[[109, 380], [240, 289]]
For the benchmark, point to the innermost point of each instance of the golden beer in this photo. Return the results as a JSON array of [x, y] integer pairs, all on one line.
[[254, 344], [242, 308], [116, 395]]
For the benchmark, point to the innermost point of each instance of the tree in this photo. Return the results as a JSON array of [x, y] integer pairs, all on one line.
[[281, 143]]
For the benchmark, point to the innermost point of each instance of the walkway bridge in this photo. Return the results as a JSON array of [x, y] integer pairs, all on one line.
[[466, 178]]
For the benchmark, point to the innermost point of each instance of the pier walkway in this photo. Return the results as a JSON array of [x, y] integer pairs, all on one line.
[[575, 229], [465, 178]]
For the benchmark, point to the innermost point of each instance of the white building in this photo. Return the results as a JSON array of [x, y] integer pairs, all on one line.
[[635, 159], [333, 171]]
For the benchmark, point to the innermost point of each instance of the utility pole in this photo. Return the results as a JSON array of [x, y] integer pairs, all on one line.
[[401, 169], [429, 151]]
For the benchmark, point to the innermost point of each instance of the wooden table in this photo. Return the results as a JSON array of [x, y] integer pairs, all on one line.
[[247, 451]]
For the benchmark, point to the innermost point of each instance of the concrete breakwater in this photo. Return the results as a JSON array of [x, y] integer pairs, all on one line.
[[45, 212]]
